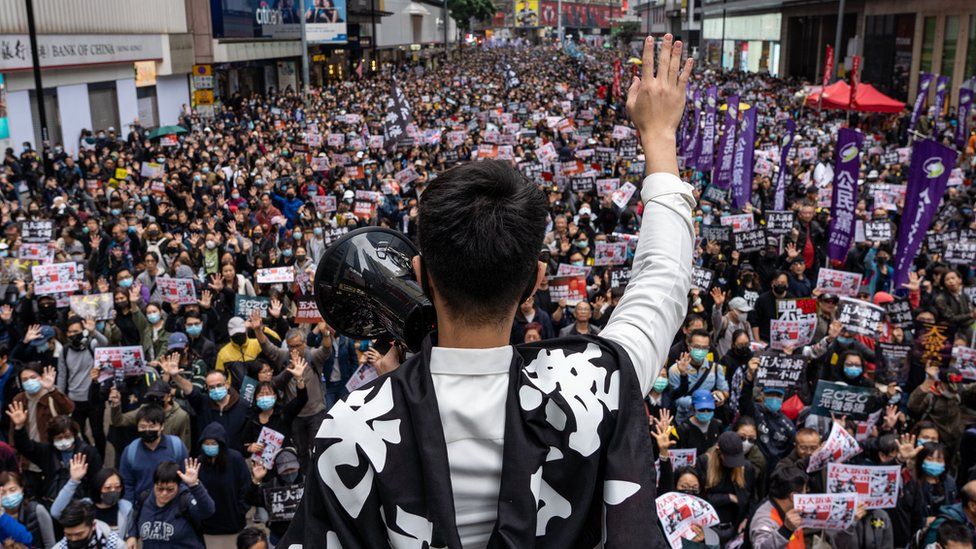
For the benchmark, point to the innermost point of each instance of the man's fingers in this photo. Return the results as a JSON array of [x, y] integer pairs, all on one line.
[[674, 63], [685, 73], [647, 59], [664, 57]]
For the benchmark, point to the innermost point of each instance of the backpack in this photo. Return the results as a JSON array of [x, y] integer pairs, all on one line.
[[130, 452], [182, 510]]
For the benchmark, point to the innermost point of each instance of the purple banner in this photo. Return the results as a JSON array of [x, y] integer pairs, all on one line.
[[779, 201], [691, 133], [745, 145], [924, 83], [927, 178], [847, 162], [962, 124], [726, 145], [941, 89], [706, 145]]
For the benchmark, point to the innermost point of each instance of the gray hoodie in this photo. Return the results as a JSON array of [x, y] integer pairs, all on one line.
[[74, 368]]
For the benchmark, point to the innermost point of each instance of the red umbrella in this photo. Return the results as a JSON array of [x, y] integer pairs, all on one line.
[[869, 99]]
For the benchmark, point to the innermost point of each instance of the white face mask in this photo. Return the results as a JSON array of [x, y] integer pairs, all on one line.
[[64, 444], [747, 446]]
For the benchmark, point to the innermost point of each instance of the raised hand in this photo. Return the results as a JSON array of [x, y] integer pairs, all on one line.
[[48, 378], [913, 283], [192, 475], [834, 329], [718, 296], [17, 415], [254, 321], [79, 467], [274, 309], [907, 449], [90, 324], [297, 368], [103, 286], [206, 298], [216, 283], [662, 436], [684, 362], [6, 313], [753, 367], [656, 101], [135, 291], [114, 398], [33, 332]]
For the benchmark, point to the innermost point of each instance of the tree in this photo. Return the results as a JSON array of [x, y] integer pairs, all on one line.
[[464, 12]]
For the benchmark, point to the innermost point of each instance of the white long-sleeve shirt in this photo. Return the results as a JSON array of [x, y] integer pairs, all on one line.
[[471, 385]]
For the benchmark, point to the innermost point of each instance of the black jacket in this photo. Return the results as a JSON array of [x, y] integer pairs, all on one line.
[[54, 467], [226, 478]]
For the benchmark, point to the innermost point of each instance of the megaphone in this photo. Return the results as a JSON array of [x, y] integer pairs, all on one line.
[[365, 287]]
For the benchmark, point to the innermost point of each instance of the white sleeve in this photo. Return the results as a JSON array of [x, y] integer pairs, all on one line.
[[653, 307]]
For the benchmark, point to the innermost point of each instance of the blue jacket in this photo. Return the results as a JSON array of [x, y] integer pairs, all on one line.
[[225, 484], [169, 527], [233, 417], [138, 463], [289, 208], [10, 528]]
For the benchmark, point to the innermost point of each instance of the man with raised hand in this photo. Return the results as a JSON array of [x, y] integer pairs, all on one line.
[[475, 443]]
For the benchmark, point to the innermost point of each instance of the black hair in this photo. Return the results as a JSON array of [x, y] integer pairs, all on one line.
[[249, 537], [699, 332], [481, 226], [61, 424], [77, 512], [745, 421], [953, 531], [151, 413], [692, 318], [102, 476], [785, 481], [850, 352], [929, 449], [166, 472], [74, 319], [887, 443], [687, 470]]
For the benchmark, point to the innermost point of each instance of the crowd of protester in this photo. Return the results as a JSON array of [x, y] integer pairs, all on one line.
[[171, 456]]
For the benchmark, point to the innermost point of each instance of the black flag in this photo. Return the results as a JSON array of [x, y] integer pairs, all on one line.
[[511, 79], [397, 115]]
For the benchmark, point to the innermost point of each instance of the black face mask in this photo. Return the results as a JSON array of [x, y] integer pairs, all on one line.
[[77, 341], [689, 492], [149, 436], [46, 311], [111, 498], [779, 288], [121, 307], [239, 339], [743, 352], [79, 544]]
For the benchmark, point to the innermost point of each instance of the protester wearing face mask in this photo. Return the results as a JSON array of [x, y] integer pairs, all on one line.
[[83, 531], [285, 473], [40, 400], [659, 398], [109, 507], [194, 326], [729, 484], [75, 365], [225, 475], [240, 348], [268, 412], [929, 487], [176, 420], [702, 429], [140, 458], [220, 402], [129, 323], [765, 308], [695, 371], [775, 429], [736, 362], [39, 345], [726, 326], [776, 523], [943, 399], [28, 512], [745, 426]]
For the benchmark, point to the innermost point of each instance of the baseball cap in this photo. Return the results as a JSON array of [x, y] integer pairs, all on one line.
[[829, 297], [703, 400], [177, 340], [235, 326], [286, 460], [730, 446], [47, 333], [740, 304], [159, 388]]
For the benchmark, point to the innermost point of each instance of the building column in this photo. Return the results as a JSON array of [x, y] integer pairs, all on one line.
[[20, 119], [125, 91], [75, 111], [172, 92]]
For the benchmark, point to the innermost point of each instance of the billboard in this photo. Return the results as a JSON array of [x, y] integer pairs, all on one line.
[[578, 15], [325, 20], [527, 13]]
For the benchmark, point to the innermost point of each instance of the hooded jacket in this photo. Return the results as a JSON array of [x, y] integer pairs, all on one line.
[[169, 526], [226, 478], [233, 417], [255, 492]]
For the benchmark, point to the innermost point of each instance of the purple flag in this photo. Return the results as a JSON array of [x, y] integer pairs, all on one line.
[[962, 129], [706, 144], [927, 178], [847, 162], [745, 145], [941, 88], [779, 202], [691, 133], [726, 145], [924, 83]]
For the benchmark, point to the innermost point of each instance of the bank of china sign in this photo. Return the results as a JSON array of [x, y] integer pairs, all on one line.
[[73, 50]]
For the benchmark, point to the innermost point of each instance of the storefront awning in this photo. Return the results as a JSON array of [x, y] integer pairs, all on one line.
[[416, 9]]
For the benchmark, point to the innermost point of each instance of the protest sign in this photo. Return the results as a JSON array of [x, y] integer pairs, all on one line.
[[619, 277], [933, 344], [779, 223], [679, 513], [834, 511], [129, 360], [681, 457], [565, 269], [274, 275], [960, 253], [791, 333], [896, 358], [272, 441], [178, 291], [37, 232], [582, 184], [877, 231], [570, 288], [739, 223], [406, 176], [249, 388], [55, 278], [282, 502], [40, 253], [899, 312], [876, 487], [97, 306], [749, 241], [243, 305], [363, 375], [702, 278], [795, 308], [621, 196], [852, 401], [716, 233], [838, 448], [320, 164], [847, 159], [715, 194], [152, 170], [937, 242], [964, 359], [609, 253], [838, 282], [860, 317], [606, 187], [781, 371]]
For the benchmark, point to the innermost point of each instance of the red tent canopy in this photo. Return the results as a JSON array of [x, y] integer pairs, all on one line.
[[838, 96]]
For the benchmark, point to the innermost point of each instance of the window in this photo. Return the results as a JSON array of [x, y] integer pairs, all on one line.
[[949, 42], [928, 44]]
